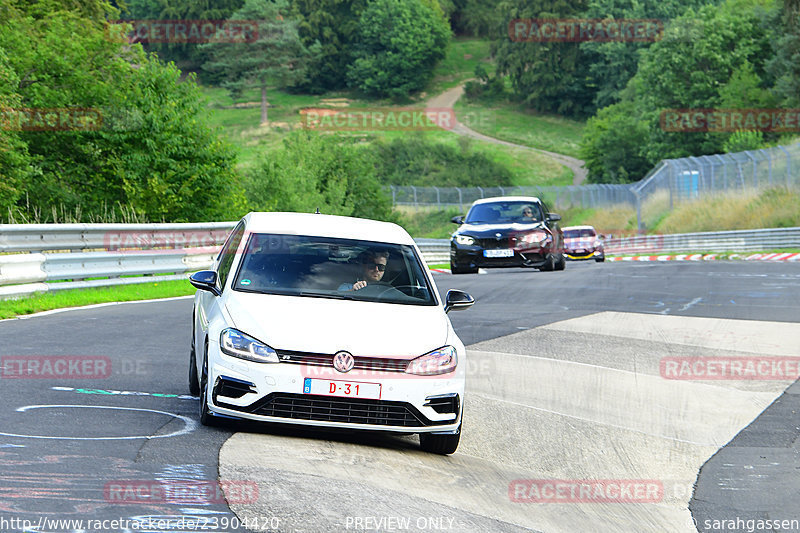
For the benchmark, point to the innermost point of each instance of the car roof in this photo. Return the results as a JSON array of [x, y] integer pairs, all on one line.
[[578, 227], [531, 199], [319, 225]]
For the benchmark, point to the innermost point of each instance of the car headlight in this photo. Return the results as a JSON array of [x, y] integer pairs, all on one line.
[[536, 237], [465, 239], [441, 361], [236, 344]]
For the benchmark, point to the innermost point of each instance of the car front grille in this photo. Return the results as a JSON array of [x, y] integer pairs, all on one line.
[[494, 244], [374, 364], [345, 410]]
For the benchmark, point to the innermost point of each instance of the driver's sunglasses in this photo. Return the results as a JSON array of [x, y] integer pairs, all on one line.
[[379, 266], [527, 212]]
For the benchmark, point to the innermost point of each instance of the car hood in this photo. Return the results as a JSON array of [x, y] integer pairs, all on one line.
[[482, 231], [323, 325]]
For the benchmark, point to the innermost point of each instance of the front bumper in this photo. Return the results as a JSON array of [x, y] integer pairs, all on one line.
[[473, 257], [584, 254], [274, 392]]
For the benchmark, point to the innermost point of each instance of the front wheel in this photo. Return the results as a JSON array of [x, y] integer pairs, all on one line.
[[561, 264], [599, 259], [462, 270], [194, 383], [549, 265], [206, 418], [440, 444]]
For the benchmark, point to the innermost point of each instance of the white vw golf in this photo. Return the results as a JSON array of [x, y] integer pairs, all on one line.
[[327, 321]]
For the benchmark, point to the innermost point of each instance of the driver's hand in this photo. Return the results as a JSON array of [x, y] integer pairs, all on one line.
[[359, 285]]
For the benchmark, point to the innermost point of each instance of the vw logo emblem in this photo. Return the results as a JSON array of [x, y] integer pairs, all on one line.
[[343, 361]]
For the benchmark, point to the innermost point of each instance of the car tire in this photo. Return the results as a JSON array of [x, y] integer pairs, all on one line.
[[461, 270], [440, 444], [206, 418], [549, 265], [561, 264], [194, 381], [599, 259]]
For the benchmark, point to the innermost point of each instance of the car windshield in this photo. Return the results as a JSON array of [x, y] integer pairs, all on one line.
[[579, 233], [335, 268], [504, 213]]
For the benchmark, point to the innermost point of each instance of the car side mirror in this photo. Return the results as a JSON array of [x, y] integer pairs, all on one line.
[[553, 217], [456, 300], [457, 220], [205, 280]]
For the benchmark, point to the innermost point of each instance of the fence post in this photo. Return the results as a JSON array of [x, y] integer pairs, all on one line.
[[755, 174], [460, 199], [415, 195], [769, 162], [788, 166], [394, 196], [438, 200], [481, 192]]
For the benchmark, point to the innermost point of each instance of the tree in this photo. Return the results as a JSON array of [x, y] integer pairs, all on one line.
[[547, 76], [150, 148], [315, 171], [398, 45], [334, 24], [611, 146], [785, 65], [277, 57], [610, 65], [187, 55]]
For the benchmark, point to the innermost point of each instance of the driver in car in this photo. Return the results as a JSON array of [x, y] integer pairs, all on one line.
[[373, 266]]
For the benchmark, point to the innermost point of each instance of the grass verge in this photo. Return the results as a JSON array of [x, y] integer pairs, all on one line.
[[81, 297], [516, 124]]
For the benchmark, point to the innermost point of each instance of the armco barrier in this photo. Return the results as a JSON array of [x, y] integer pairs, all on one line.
[[27, 273], [751, 240], [136, 251]]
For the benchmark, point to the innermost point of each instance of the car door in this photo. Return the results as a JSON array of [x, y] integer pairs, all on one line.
[[206, 303]]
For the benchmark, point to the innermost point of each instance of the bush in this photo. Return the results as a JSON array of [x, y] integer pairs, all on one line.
[[318, 171], [398, 45], [423, 163]]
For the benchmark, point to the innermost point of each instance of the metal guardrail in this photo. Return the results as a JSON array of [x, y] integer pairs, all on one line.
[[23, 274], [75, 237], [142, 253], [751, 240]]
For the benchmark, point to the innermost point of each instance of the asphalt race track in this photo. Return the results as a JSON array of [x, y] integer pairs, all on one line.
[[576, 382]]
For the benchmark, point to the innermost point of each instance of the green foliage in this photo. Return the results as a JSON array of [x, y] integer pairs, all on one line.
[[548, 77], [711, 58], [188, 55], [152, 151], [276, 58], [416, 161], [315, 171], [398, 45], [611, 65], [478, 18], [785, 64], [612, 143], [739, 141], [334, 24]]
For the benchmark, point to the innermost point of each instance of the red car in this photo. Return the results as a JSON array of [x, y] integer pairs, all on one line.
[[583, 242]]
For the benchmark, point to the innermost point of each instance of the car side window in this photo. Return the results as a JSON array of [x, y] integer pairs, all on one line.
[[227, 255]]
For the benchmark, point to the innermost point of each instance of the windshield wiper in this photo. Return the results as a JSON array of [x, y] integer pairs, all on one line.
[[325, 295]]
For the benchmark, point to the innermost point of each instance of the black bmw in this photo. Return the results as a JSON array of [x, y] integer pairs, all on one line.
[[508, 231]]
